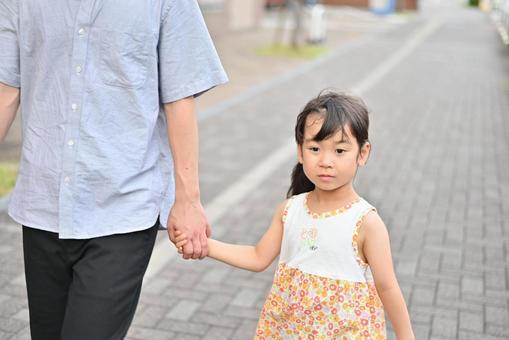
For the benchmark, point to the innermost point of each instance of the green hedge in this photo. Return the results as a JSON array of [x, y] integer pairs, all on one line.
[[8, 173]]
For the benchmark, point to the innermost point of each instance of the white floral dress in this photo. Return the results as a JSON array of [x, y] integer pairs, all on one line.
[[322, 289]]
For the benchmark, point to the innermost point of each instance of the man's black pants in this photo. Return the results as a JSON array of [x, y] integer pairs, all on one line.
[[84, 289]]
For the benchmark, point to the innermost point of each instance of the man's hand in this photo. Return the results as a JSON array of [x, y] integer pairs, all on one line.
[[188, 217]]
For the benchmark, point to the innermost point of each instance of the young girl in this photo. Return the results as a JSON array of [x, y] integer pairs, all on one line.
[[335, 276]]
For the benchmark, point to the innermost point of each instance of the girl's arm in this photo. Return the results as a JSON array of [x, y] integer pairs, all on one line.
[[377, 252], [255, 258]]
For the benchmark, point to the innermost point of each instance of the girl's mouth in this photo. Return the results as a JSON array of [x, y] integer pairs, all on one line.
[[326, 177]]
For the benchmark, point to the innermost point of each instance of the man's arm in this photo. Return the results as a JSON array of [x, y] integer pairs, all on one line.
[[9, 103], [187, 213]]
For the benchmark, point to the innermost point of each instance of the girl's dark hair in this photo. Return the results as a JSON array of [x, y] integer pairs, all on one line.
[[339, 110]]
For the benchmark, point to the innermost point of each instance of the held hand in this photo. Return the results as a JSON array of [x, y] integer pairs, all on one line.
[[189, 218], [180, 241]]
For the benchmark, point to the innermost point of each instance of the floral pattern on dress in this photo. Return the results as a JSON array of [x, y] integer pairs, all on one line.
[[308, 238], [307, 306]]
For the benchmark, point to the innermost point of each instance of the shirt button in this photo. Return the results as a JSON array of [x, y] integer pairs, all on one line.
[[70, 142], [78, 69], [74, 107], [67, 180], [81, 31]]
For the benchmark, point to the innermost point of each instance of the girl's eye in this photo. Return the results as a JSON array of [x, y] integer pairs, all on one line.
[[340, 151], [313, 149]]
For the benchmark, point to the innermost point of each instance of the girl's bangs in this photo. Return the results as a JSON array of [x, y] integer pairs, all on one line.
[[332, 124]]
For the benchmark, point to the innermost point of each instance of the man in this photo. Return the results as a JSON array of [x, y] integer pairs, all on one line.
[[106, 90]]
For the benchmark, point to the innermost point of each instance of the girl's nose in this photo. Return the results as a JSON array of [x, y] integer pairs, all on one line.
[[326, 161]]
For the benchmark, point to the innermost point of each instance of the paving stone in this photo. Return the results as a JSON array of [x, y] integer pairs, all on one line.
[[246, 297], [471, 321], [443, 327], [150, 316], [215, 319], [12, 306], [406, 268], [225, 288], [11, 325], [6, 336], [189, 294], [178, 326], [248, 313], [464, 335], [219, 333], [24, 334], [496, 280], [156, 285], [423, 296], [216, 303], [447, 291], [186, 336], [497, 330], [183, 310], [246, 330], [472, 285], [421, 331], [22, 315], [215, 275], [497, 316], [140, 333]]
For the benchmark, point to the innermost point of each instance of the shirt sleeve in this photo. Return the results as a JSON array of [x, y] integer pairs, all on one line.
[[188, 61], [9, 46]]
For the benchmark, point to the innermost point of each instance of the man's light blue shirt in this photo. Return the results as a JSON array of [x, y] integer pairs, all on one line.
[[93, 76]]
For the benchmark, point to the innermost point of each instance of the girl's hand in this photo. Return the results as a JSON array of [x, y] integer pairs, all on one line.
[[180, 240]]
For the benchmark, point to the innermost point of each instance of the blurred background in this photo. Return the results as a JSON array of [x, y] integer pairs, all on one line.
[[435, 76]]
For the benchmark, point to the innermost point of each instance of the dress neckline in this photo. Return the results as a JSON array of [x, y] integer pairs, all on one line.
[[329, 213]]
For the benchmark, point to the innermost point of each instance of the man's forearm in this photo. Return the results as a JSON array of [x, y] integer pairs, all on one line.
[[9, 103], [183, 138]]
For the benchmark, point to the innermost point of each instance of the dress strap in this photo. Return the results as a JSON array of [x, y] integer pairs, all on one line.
[[287, 207], [355, 236]]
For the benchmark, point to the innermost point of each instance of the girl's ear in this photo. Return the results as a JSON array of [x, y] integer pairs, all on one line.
[[299, 153], [364, 154]]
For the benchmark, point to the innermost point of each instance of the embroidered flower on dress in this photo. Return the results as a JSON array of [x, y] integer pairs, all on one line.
[[308, 238]]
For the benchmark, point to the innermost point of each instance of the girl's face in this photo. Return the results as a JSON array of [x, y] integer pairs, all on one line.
[[332, 163]]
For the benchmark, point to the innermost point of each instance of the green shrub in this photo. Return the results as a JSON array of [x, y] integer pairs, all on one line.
[[8, 173]]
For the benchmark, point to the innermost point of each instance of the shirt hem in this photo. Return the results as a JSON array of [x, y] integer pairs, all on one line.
[[12, 81], [197, 89], [145, 224]]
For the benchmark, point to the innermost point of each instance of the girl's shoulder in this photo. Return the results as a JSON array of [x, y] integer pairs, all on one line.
[[366, 204], [371, 222], [289, 204]]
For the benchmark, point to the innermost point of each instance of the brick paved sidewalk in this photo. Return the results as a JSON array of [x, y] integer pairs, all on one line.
[[439, 122], [438, 128]]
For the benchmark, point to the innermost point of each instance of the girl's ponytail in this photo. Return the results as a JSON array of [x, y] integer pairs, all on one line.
[[299, 182]]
